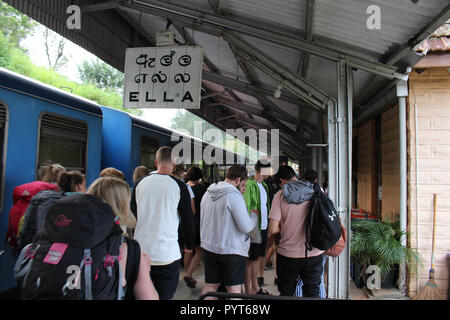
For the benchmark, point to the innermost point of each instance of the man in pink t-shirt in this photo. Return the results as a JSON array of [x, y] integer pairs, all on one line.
[[287, 217]]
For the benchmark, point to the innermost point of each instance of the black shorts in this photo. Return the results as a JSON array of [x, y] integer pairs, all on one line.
[[228, 269], [258, 250]]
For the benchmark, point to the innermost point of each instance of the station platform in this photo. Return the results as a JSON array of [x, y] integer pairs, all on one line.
[[185, 293]]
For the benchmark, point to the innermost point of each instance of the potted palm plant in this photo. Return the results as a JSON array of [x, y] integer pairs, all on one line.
[[379, 243]]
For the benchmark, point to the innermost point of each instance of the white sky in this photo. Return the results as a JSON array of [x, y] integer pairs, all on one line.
[[75, 55]]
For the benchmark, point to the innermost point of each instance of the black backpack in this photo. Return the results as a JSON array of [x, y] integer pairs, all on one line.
[[76, 256], [34, 217], [323, 225]]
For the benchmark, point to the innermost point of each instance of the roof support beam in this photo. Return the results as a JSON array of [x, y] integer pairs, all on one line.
[[248, 88], [401, 52], [280, 73], [136, 26], [206, 61], [269, 107], [303, 64], [99, 6], [204, 21], [386, 98]]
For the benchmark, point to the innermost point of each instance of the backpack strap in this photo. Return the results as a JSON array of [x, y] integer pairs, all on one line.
[[26, 255], [132, 266], [86, 263], [120, 290]]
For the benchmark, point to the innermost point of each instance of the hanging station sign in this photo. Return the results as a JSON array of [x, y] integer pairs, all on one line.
[[163, 77]]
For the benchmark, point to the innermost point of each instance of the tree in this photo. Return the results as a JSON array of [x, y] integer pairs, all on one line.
[[54, 49], [5, 51], [14, 25], [101, 75], [186, 120]]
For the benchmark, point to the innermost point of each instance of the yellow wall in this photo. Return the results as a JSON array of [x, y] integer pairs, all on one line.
[[431, 91]]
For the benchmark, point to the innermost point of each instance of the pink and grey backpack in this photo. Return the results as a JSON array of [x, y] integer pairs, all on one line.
[[76, 255]]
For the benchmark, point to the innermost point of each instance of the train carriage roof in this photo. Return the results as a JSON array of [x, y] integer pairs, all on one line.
[[17, 82]]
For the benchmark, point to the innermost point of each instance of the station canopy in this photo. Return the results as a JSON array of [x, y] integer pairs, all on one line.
[[267, 63]]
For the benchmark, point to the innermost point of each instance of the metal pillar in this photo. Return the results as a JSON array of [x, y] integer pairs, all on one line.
[[320, 150], [402, 93], [339, 174]]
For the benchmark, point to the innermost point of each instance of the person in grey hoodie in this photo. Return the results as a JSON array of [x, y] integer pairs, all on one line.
[[224, 232]]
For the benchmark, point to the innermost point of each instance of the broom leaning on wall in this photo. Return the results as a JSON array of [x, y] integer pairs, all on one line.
[[431, 290]]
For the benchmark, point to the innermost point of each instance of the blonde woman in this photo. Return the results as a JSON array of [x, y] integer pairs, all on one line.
[[140, 172], [112, 172], [50, 173], [116, 193]]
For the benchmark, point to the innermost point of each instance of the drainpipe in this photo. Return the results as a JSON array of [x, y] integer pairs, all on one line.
[[402, 93]]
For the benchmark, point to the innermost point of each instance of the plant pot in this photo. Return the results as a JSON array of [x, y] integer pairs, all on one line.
[[389, 280], [355, 271]]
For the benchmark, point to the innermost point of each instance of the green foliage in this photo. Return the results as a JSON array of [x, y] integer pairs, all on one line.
[[378, 243], [101, 74], [17, 61], [186, 120], [14, 25], [5, 51]]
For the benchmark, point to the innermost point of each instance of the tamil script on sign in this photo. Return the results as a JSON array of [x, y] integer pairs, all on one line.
[[163, 77]]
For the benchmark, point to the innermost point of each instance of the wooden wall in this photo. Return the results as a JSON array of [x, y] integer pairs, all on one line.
[[390, 164], [366, 180]]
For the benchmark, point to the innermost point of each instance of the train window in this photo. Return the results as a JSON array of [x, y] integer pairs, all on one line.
[[149, 146], [2, 145], [63, 140]]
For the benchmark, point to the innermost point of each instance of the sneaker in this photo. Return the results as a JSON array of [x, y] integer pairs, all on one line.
[[268, 266], [264, 292], [191, 282]]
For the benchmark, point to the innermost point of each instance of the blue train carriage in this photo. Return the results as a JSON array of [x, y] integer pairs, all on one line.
[[41, 124], [128, 142]]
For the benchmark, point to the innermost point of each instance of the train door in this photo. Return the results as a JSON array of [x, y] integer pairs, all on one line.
[[2, 147], [62, 140], [148, 148]]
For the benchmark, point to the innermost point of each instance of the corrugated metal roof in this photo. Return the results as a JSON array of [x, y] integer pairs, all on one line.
[[338, 25], [346, 21], [289, 13]]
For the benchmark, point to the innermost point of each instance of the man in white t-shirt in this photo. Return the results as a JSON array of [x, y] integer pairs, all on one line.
[[256, 198], [161, 201]]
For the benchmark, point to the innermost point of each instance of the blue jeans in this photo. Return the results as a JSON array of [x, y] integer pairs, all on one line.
[[165, 279]]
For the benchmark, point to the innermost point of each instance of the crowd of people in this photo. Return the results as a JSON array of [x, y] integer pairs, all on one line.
[[170, 219]]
